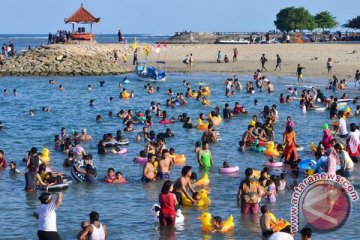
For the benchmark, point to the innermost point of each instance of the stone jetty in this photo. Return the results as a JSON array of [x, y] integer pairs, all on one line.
[[69, 60]]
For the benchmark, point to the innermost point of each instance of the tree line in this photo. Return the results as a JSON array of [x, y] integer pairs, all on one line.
[[299, 19]]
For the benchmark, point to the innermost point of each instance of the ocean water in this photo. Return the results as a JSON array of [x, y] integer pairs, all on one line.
[[125, 209], [22, 41]]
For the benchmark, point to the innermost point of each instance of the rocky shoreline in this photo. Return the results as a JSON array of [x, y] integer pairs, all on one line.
[[68, 60]]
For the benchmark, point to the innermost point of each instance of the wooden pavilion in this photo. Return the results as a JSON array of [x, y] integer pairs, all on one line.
[[82, 16]]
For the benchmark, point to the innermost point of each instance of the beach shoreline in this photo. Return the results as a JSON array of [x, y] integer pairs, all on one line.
[[94, 59]]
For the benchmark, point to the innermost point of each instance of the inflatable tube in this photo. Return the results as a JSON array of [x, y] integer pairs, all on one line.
[[229, 170], [345, 100], [178, 158], [164, 121], [57, 187], [203, 127], [319, 109], [141, 160], [307, 164], [121, 151], [76, 175], [179, 216], [299, 148], [274, 164], [257, 149], [139, 119], [115, 144]]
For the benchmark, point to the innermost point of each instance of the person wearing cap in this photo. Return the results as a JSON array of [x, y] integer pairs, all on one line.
[[84, 136], [47, 216]]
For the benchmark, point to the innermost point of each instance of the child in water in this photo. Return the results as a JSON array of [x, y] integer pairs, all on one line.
[[84, 225], [271, 193], [13, 170], [282, 182], [216, 223], [226, 164], [119, 178], [196, 196]]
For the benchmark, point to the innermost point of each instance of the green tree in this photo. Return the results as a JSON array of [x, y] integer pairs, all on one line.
[[293, 19], [325, 20], [353, 23]]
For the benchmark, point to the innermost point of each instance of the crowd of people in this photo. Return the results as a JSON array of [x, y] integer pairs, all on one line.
[[337, 151]]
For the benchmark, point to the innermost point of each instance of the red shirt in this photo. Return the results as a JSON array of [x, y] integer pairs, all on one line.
[[167, 203], [3, 163]]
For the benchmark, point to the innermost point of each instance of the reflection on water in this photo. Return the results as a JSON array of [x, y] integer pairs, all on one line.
[[126, 209]]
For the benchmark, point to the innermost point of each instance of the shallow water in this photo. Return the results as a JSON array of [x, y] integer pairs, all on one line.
[[126, 208]]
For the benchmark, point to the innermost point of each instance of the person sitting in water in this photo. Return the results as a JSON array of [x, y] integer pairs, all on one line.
[[84, 136], [13, 170], [181, 185], [209, 135], [149, 169], [119, 178], [188, 123], [69, 161], [109, 178], [167, 134], [216, 223]]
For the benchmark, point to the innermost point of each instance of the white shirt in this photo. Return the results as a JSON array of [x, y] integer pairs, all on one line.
[[346, 160], [47, 217], [98, 233], [280, 236], [342, 127]]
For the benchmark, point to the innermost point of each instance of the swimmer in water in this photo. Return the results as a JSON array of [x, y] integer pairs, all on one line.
[[98, 119], [14, 91], [1, 126], [61, 88], [5, 91], [46, 109], [91, 102], [89, 88], [31, 113], [256, 102]]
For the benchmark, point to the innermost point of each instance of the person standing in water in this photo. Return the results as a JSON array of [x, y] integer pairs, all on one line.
[[96, 230], [47, 216], [204, 156]]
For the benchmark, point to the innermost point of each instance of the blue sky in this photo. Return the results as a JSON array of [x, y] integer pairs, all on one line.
[[162, 17]]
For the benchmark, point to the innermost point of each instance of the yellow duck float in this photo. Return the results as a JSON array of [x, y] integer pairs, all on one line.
[[204, 181], [206, 92], [277, 224], [271, 151], [45, 156], [206, 225], [206, 102], [203, 202], [313, 147]]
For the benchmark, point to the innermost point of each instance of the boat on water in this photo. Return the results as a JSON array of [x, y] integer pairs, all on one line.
[[150, 73], [239, 41]]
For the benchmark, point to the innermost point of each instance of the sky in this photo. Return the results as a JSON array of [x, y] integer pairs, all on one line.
[[162, 17]]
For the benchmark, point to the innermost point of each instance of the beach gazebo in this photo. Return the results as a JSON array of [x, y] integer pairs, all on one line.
[[82, 16]]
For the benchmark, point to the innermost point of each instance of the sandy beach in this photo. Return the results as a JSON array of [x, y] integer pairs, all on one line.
[[345, 61], [94, 59]]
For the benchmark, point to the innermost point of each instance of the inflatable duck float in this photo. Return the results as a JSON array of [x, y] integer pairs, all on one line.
[[277, 224], [271, 151], [206, 92], [178, 158], [45, 156], [179, 216], [203, 202], [204, 181], [206, 225]]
